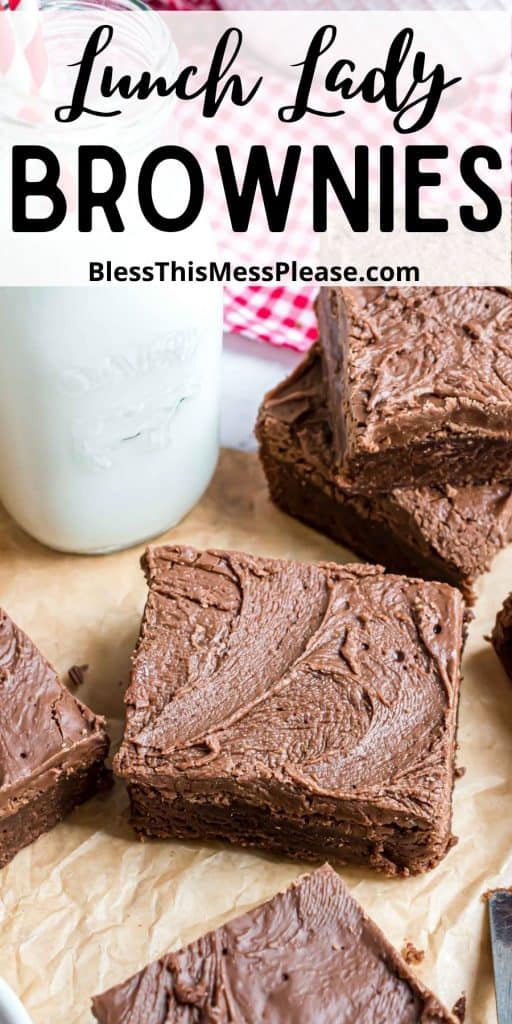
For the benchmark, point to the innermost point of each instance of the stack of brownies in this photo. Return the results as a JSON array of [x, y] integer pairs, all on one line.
[[394, 435], [311, 710], [306, 709]]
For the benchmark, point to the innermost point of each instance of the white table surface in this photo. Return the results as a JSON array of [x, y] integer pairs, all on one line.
[[249, 369]]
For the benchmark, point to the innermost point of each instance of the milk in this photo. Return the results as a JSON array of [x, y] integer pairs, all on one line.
[[109, 409], [109, 394]]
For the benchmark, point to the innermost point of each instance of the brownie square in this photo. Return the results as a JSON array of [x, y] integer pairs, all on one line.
[[52, 748], [442, 533], [308, 709], [419, 384], [502, 635], [311, 954]]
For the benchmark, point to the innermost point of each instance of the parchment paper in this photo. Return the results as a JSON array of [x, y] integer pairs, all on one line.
[[88, 904]]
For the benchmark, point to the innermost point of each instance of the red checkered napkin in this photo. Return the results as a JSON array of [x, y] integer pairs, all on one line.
[[282, 316]]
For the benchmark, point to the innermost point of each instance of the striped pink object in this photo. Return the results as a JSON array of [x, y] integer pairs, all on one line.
[[31, 39], [13, 67], [23, 59]]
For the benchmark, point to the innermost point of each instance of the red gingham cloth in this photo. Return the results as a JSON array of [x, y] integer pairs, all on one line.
[[283, 315]]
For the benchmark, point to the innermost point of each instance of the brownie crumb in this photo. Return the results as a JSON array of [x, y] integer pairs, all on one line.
[[76, 675], [412, 955], [459, 1009], [501, 636], [459, 772]]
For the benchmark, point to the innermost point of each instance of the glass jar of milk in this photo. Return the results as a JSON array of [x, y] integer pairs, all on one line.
[[109, 405], [109, 395]]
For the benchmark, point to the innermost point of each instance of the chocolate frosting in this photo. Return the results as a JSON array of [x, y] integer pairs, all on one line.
[[43, 728], [296, 686], [310, 954], [424, 361], [462, 527]]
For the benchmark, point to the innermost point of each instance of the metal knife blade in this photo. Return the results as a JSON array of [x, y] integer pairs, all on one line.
[[500, 917]]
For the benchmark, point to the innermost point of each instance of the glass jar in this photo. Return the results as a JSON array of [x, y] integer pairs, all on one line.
[[109, 395]]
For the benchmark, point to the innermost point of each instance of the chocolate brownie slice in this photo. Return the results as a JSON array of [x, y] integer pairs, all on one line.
[[442, 533], [419, 384], [307, 709], [52, 748], [309, 954]]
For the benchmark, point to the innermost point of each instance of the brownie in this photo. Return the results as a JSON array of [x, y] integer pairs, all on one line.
[[52, 748], [308, 709], [502, 635], [419, 384], [444, 533], [311, 954]]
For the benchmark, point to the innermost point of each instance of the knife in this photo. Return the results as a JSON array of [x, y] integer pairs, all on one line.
[[500, 917]]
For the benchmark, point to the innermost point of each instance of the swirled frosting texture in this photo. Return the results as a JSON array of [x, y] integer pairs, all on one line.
[[409, 368], [315, 692], [310, 954], [439, 532]]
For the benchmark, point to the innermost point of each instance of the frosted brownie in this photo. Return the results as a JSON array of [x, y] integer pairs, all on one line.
[[52, 748], [419, 384], [309, 954], [307, 709], [443, 533]]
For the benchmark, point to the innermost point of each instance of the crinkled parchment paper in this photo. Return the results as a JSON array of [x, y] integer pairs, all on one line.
[[88, 904]]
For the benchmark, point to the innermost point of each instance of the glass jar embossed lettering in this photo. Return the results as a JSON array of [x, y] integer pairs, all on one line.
[[109, 394]]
